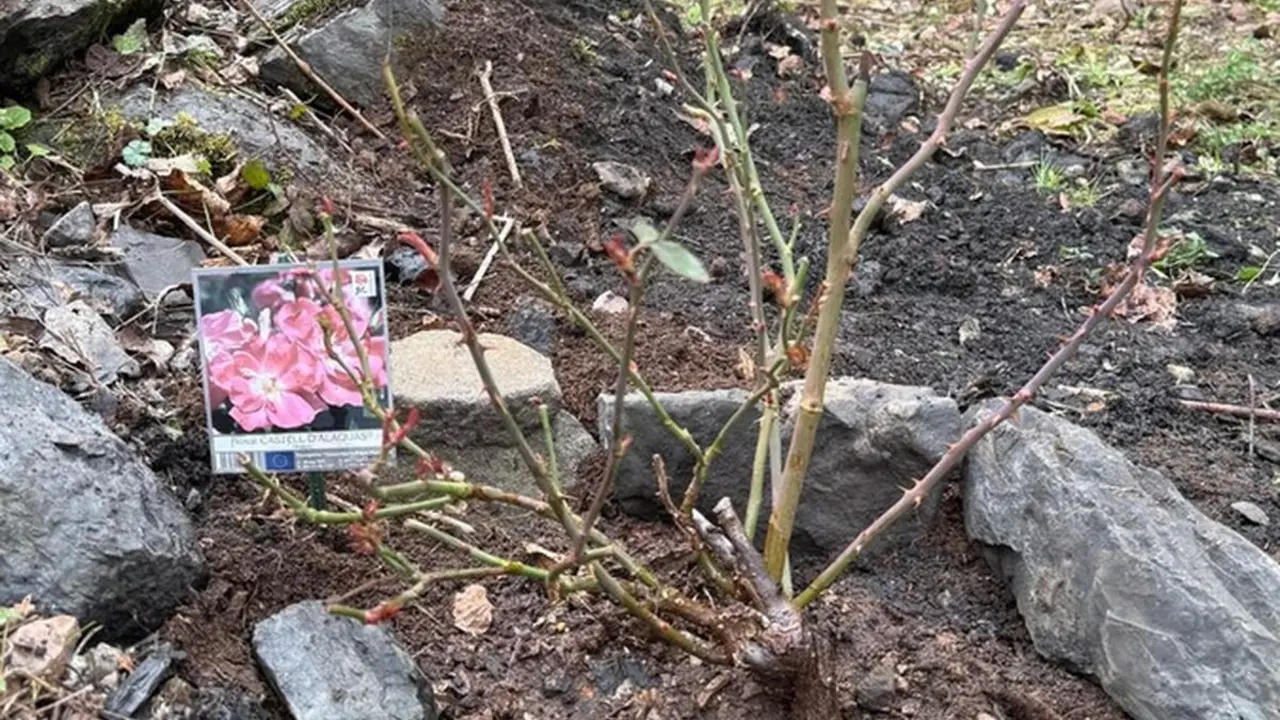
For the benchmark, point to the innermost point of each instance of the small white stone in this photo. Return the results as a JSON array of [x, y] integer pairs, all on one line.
[[1182, 374], [610, 304]]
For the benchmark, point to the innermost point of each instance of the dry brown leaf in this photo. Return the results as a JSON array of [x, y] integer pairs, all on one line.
[[240, 230], [196, 196], [174, 79], [472, 611], [789, 65]]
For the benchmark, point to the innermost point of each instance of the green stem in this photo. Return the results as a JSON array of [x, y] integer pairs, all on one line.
[[847, 105]]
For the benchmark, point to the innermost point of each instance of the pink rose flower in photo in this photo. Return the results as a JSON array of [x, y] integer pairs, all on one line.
[[272, 293], [338, 388], [299, 321], [271, 384], [226, 330]]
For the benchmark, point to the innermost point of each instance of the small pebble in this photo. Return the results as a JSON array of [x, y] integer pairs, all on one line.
[[1251, 512], [1182, 374]]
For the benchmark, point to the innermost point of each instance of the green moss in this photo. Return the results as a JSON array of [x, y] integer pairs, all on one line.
[[185, 136], [302, 11], [32, 66]]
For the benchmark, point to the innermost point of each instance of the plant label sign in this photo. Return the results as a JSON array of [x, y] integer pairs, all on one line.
[[281, 366]]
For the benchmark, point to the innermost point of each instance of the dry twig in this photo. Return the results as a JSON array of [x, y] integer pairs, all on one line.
[[499, 124], [307, 70]]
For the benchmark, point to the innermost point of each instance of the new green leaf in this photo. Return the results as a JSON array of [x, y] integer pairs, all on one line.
[[14, 117], [133, 40], [679, 260], [255, 175]]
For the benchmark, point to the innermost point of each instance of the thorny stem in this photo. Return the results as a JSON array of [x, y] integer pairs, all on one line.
[[618, 443], [1160, 185], [434, 162], [842, 255]]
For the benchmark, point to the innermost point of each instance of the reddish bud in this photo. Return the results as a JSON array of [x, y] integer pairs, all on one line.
[[369, 511], [617, 250], [430, 279], [432, 466], [798, 355], [383, 612], [365, 538], [704, 159], [670, 76], [326, 205]]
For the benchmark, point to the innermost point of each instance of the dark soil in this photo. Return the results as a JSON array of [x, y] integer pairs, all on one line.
[[934, 611]]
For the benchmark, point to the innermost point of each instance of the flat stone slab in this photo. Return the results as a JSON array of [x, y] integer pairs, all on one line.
[[1120, 577], [432, 370], [327, 667]]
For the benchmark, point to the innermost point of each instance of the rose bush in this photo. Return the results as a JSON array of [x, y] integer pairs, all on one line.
[[268, 363]]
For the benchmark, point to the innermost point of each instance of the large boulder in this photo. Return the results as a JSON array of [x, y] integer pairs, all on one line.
[[873, 441], [327, 667], [87, 529], [347, 50], [1121, 578], [36, 37]]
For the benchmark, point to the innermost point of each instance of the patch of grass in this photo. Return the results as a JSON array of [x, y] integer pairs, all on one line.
[[1049, 178], [584, 50], [1084, 193], [1229, 80], [1186, 253]]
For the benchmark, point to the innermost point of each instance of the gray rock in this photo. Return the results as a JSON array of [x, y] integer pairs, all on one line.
[[533, 322], [81, 337], [73, 229], [1121, 578], [347, 50], [143, 682], [327, 667], [36, 37], [622, 180], [502, 466], [155, 262], [277, 141], [40, 284], [432, 370], [87, 528], [878, 689], [890, 96], [873, 440]]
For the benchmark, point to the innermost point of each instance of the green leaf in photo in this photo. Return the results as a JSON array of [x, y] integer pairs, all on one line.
[[6, 142], [38, 150], [679, 260]]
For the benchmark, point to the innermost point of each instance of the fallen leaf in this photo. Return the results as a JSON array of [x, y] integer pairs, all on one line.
[[196, 196], [907, 210], [1058, 118], [240, 230], [174, 79], [789, 65], [472, 611], [41, 648]]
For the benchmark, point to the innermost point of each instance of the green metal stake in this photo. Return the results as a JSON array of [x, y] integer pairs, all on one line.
[[315, 491]]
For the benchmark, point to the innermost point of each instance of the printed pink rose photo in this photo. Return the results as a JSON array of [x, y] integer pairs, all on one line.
[[268, 369]]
